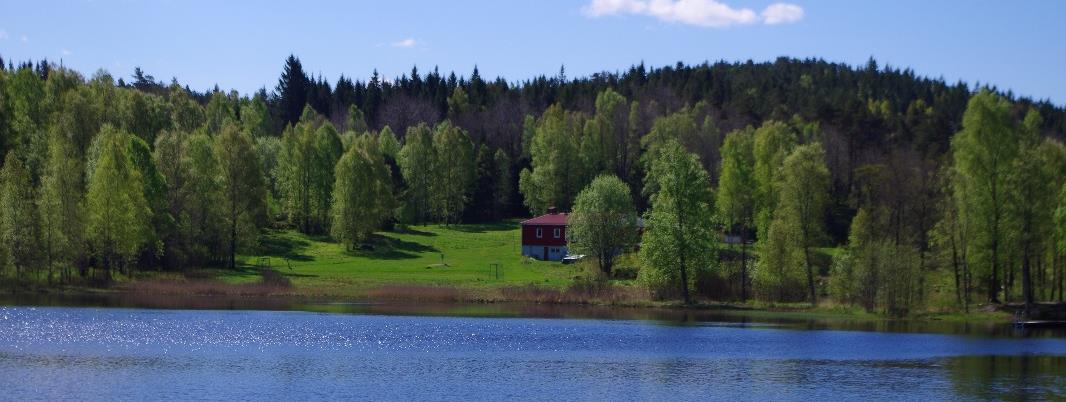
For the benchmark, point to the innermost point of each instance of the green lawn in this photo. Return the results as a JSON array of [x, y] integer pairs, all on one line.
[[411, 256]]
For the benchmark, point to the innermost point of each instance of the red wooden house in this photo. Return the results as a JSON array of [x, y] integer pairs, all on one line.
[[544, 237]]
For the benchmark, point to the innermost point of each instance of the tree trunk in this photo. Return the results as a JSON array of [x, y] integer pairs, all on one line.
[[993, 286], [743, 269], [955, 266], [1027, 283], [233, 240], [810, 273]]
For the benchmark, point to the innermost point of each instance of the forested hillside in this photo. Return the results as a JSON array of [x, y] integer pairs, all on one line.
[[937, 195]]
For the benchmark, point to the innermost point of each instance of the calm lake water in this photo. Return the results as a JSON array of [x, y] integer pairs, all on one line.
[[149, 354]]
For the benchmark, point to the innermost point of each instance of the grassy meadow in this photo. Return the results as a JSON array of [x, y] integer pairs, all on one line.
[[459, 256]]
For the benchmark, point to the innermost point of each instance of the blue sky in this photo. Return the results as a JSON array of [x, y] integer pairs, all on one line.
[[242, 44]]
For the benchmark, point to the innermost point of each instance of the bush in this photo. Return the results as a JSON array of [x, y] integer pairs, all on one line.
[[626, 267]]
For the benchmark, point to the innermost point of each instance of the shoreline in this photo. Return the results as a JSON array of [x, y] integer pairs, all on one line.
[[257, 296]]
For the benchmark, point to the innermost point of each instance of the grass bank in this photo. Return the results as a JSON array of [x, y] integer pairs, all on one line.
[[435, 264]]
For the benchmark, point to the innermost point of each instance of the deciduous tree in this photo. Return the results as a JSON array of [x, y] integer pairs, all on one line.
[[679, 240]]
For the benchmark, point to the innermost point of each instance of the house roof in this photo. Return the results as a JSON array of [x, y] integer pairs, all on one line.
[[556, 219]]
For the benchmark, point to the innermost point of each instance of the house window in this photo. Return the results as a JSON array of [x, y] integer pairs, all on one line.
[[540, 233], [558, 232]]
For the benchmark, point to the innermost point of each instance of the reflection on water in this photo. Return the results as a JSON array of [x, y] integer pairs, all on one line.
[[1010, 378], [660, 315], [104, 354]]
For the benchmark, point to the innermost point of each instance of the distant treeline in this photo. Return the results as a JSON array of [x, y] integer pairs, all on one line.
[[925, 183]]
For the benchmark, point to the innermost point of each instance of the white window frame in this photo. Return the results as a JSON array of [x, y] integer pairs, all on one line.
[[540, 233], [557, 232]]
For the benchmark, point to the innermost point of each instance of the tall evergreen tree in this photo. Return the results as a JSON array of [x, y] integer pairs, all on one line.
[[291, 91]]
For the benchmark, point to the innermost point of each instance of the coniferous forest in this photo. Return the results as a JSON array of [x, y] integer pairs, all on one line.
[[783, 181]]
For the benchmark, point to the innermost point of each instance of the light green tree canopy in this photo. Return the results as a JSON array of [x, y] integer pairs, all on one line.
[[803, 191], [603, 222], [362, 194], [679, 242], [243, 187], [118, 215]]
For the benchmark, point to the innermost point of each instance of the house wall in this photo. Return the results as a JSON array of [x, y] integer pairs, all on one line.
[[529, 235], [555, 253]]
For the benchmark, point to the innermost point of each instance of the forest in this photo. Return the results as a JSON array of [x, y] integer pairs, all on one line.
[[784, 181]]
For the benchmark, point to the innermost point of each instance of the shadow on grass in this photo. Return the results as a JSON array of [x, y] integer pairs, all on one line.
[[406, 229], [379, 247], [484, 227], [276, 244]]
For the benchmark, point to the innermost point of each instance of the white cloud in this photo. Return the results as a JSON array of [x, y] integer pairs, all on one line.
[[409, 42], [705, 13], [65, 52], [3, 34], [24, 38], [782, 13]]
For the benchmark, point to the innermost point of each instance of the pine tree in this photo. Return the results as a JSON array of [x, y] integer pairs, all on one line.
[[291, 91]]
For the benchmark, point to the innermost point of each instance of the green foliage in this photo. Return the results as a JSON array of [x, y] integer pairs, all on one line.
[[222, 109], [61, 208], [356, 121], [778, 274], [504, 182], [194, 198], [603, 223], [984, 152], [305, 168], [255, 118], [736, 185], [607, 146], [679, 242], [390, 146], [155, 192], [185, 114], [556, 173], [417, 160], [773, 143], [327, 151], [454, 172], [143, 115], [458, 103], [362, 194], [804, 181], [18, 215], [119, 218], [243, 188]]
